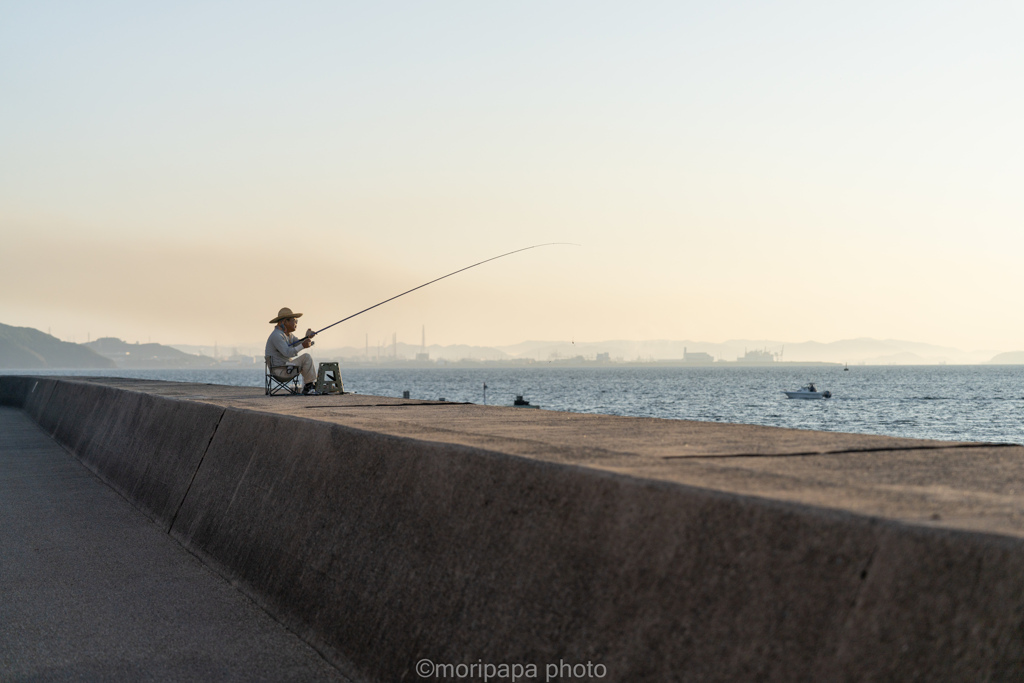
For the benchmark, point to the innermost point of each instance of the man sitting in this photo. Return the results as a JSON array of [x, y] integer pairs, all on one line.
[[283, 349]]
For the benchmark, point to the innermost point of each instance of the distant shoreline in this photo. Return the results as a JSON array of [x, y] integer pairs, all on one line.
[[498, 365]]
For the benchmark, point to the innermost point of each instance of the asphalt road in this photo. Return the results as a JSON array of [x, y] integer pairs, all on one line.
[[90, 589]]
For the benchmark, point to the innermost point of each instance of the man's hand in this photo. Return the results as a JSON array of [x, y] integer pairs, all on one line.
[[306, 343]]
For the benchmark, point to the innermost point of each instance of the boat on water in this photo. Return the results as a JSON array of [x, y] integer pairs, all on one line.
[[808, 391], [521, 402]]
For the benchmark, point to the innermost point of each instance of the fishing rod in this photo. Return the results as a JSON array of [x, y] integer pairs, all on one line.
[[493, 258]]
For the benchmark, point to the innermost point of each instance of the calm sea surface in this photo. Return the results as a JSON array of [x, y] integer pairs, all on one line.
[[968, 403]]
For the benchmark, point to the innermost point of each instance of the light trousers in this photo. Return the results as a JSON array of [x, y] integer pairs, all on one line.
[[302, 363]]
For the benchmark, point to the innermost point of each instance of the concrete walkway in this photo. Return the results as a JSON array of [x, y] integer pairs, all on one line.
[[90, 589]]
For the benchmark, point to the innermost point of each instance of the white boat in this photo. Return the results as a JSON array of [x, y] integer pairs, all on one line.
[[808, 391]]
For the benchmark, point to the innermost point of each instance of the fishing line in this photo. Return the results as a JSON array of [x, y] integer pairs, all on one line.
[[493, 258]]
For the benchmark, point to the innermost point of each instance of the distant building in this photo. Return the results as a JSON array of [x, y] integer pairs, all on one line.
[[423, 357], [604, 358], [697, 357], [757, 356]]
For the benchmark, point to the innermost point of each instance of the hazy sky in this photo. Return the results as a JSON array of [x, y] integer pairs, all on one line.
[[788, 170]]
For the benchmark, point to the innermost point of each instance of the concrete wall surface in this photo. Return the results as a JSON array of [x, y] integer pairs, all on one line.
[[384, 550]]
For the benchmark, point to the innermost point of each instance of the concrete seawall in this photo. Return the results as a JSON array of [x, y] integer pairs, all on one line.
[[381, 548]]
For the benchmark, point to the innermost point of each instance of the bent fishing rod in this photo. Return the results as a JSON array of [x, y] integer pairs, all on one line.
[[493, 258]]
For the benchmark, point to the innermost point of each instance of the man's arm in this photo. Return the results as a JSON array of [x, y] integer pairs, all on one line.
[[306, 341], [280, 341]]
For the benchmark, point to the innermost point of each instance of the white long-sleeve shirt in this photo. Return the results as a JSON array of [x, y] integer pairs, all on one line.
[[278, 347]]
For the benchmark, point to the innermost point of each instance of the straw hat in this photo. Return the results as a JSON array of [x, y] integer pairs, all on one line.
[[285, 313]]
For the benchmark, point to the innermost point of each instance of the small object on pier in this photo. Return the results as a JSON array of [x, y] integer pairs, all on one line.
[[521, 402], [405, 394], [328, 379]]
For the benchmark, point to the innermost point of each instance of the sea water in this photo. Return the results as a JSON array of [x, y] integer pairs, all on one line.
[[962, 403]]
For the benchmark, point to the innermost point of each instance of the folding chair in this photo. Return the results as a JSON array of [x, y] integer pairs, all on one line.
[[279, 383]]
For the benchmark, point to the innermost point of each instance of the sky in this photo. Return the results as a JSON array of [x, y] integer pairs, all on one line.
[[177, 172]]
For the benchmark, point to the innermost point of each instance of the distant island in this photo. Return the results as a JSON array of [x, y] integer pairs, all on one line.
[[1011, 358], [24, 348], [125, 355]]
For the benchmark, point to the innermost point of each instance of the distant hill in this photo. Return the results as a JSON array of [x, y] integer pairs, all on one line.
[[1009, 358], [126, 355], [25, 348]]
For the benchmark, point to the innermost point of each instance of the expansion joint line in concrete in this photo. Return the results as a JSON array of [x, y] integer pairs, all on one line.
[[196, 471], [863, 577], [888, 449]]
